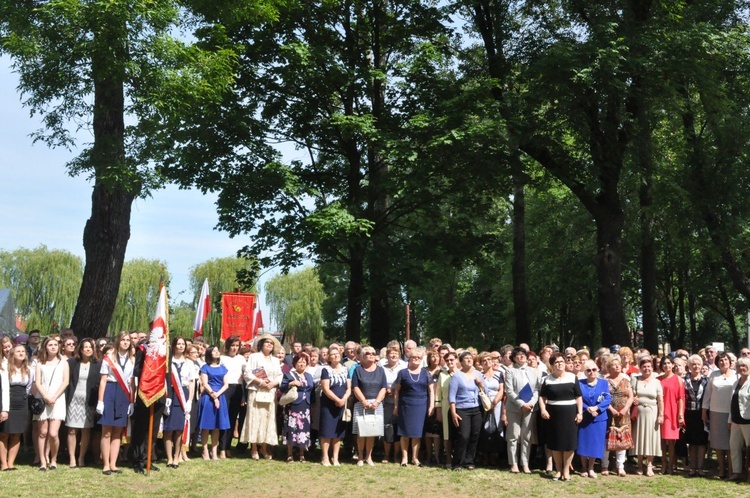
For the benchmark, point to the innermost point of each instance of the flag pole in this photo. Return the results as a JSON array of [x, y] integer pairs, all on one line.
[[150, 437]]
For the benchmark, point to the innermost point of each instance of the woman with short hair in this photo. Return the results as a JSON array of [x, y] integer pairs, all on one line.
[[392, 366], [649, 399], [739, 437], [336, 387], [368, 385], [619, 435], [81, 396], [214, 408], [466, 413], [674, 414], [522, 394], [414, 401], [695, 435], [263, 376], [716, 409], [562, 410], [296, 428], [593, 428]]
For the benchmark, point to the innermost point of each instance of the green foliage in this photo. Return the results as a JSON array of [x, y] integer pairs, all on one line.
[[44, 284], [296, 301], [138, 295], [224, 275]]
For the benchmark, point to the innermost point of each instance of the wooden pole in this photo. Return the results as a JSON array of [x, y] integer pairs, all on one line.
[[150, 437], [408, 314]]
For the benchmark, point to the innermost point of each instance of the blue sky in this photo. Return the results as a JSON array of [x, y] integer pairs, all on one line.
[[41, 204]]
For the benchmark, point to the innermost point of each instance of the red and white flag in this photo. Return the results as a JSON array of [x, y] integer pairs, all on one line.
[[204, 308], [152, 385], [258, 323]]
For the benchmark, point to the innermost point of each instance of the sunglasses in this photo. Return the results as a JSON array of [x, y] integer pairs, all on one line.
[[589, 370]]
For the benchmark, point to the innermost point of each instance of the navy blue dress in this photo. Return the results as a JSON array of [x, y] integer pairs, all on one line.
[[413, 397], [175, 421], [331, 424], [211, 417]]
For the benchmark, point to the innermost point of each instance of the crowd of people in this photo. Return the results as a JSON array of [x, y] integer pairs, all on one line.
[[433, 405]]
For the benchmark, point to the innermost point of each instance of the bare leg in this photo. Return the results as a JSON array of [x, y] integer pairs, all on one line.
[[215, 444], [105, 444], [72, 443], [204, 442], [325, 446], [557, 456], [53, 437], [567, 463], [85, 438], [114, 447], [169, 447], [41, 442], [177, 444], [13, 446], [415, 443], [404, 450], [360, 448], [369, 444], [3, 451], [336, 447]]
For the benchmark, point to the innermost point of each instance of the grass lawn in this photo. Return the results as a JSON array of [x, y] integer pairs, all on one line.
[[244, 477]]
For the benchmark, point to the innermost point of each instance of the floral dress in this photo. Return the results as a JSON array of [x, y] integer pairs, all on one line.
[[619, 436], [296, 431]]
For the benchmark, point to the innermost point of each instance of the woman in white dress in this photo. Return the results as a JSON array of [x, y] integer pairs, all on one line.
[[51, 379], [81, 397], [262, 375]]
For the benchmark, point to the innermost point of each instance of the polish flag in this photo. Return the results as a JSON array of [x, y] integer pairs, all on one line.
[[204, 308]]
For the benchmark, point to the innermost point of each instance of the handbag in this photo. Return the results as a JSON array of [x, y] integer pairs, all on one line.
[[619, 438], [485, 400], [370, 423], [264, 396], [347, 416], [290, 396], [36, 405], [389, 433]]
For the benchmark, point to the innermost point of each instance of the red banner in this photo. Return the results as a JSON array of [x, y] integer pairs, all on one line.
[[237, 314]]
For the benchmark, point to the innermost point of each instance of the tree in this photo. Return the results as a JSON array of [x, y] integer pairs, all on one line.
[[228, 274], [323, 77], [296, 301], [138, 295], [44, 284], [91, 63]]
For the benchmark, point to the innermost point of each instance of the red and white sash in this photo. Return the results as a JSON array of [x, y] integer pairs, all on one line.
[[177, 386], [120, 376]]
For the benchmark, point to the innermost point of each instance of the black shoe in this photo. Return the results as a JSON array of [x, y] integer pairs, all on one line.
[[155, 468], [139, 470], [107, 472], [117, 471]]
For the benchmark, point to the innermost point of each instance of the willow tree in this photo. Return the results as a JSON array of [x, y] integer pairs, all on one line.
[[230, 274], [44, 284], [84, 65], [296, 302], [138, 294]]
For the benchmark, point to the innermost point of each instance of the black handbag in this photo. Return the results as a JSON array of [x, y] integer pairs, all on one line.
[[36, 405]]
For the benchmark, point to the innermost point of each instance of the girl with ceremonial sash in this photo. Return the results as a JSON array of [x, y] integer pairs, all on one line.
[[115, 403], [177, 422], [51, 379]]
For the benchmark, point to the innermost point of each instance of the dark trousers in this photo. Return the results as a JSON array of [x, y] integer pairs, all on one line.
[[137, 453], [233, 395], [467, 436]]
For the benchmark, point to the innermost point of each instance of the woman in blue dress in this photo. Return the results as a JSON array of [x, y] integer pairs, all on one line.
[[414, 400], [213, 405], [296, 428], [592, 432], [336, 387]]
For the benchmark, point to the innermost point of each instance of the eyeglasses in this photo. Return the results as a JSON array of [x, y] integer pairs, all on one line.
[[746, 353], [369, 354], [70, 343], [589, 370]]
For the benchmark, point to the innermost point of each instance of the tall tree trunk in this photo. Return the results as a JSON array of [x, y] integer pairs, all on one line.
[[107, 231], [693, 342], [609, 225], [729, 315], [354, 295], [380, 319], [520, 293]]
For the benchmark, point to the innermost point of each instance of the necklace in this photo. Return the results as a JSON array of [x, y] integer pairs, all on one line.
[[412, 378]]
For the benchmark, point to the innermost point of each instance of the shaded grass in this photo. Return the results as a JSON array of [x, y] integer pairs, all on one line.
[[245, 477]]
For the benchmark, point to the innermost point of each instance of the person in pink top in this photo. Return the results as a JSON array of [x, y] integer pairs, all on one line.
[[674, 413]]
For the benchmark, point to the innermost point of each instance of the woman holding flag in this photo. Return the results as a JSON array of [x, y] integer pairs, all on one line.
[[181, 386], [115, 399]]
